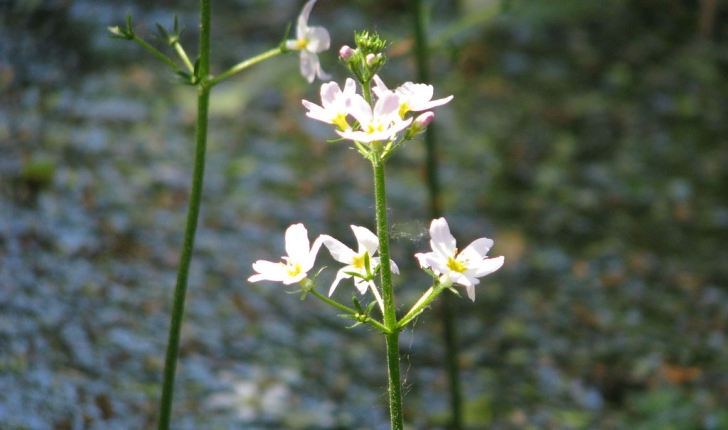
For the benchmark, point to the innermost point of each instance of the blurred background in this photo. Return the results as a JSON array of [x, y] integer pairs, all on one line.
[[587, 137]]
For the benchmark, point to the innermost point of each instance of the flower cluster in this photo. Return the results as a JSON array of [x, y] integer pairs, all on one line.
[[381, 122], [461, 268]]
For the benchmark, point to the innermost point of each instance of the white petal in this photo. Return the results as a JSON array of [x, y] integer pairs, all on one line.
[[339, 276], [310, 260], [297, 244], [269, 271], [478, 249], [362, 285], [367, 240], [338, 250], [441, 241], [431, 104], [318, 39], [488, 266], [471, 292], [309, 65], [349, 87], [303, 19]]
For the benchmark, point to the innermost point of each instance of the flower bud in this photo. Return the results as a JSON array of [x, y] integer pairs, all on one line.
[[346, 53], [419, 124], [370, 59]]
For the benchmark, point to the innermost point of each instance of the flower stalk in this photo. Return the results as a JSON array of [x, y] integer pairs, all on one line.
[[193, 212]]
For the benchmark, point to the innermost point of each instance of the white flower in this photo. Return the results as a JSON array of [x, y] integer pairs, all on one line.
[[412, 97], [380, 123], [299, 261], [310, 41], [458, 268], [355, 261], [334, 103]]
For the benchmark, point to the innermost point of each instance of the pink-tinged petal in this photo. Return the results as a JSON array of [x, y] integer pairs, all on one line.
[[330, 91], [367, 240], [297, 244], [488, 266], [317, 112], [386, 109], [432, 104], [318, 39], [359, 109], [441, 241], [478, 249], [349, 87], [379, 88], [320, 72], [338, 250], [339, 276]]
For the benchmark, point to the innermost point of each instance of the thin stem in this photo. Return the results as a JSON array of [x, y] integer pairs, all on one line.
[[183, 55], [157, 54], [421, 304], [349, 310], [378, 297], [245, 64], [193, 212], [390, 316]]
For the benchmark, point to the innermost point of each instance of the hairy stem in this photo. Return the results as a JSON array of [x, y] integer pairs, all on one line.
[[390, 316]]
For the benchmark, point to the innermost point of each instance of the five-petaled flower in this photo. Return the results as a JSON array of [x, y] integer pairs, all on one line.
[[299, 261], [356, 261], [382, 122], [334, 104], [458, 268], [310, 41], [412, 97]]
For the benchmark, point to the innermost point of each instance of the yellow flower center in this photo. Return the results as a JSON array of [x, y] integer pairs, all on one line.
[[340, 121], [374, 127], [294, 270], [301, 44], [358, 261], [403, 109], [455, 266]]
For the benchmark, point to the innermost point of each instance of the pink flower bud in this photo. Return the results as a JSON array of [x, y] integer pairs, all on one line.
[[346, 52], [424, 120], [370, 59]]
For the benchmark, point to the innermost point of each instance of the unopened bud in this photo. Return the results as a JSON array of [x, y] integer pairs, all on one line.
[[419, 124], [370, 59], [346, 52]]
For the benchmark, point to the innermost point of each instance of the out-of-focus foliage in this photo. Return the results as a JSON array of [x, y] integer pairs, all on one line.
[[599, 130], [587, 137]]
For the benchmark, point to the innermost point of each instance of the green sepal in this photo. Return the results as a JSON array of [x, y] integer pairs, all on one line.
[[357, 305], [127, 33], [282, 46]]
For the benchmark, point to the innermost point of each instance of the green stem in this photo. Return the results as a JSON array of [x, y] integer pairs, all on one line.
[[183, 55], [349, 310], [157, 54], [390, 316], [203, 101], [422, 57], [421, 304], [245, 64]]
